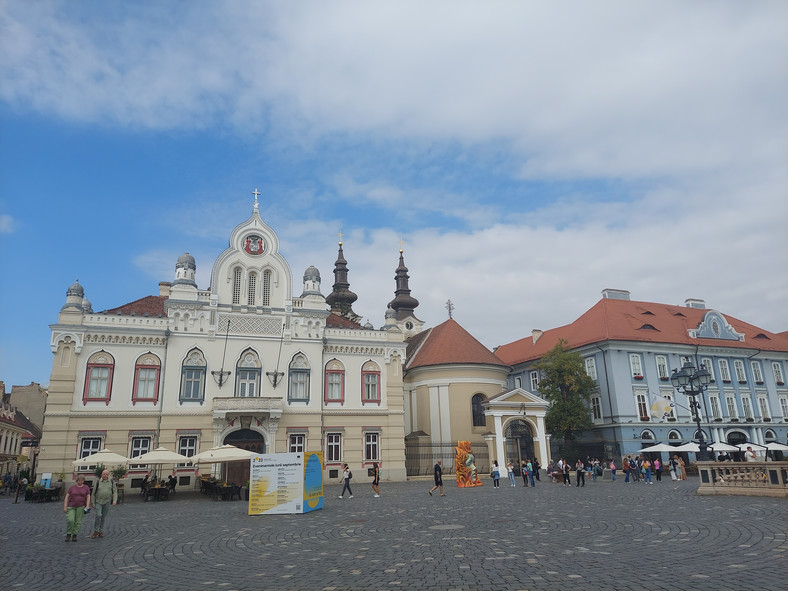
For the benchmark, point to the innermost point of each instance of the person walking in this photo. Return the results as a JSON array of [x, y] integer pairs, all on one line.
[[346, 476], [613, 469], [673, 464], [565, 469], [376, 479], [75, 505], [496, 475], [658, 469], [524, 471], [647, 471], [580, 472], [536, 468], [438, 478], [106, 493], [510, 472]]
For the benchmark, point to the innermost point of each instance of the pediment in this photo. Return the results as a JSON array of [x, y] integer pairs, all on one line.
[[517, 396]]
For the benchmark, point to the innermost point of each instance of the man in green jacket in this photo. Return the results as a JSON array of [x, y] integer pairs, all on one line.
[[106, 492]]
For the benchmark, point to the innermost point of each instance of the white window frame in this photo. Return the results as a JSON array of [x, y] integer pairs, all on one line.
[[716, 409], [783, 406], [333, 448], [641, 403], [297, 443], [757, 374], [706, 362], [777, 370], [725, 370], [591, 367], [636, 365], [730, 404], [139, 444], [248, 382], [87, 447], [371, 446], [187, 446], [662, 368], [746, 404], [596, 408], [763, 407], [534, 377], [741, 375]]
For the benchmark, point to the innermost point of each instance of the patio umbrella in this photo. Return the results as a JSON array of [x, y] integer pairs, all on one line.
[[693, 447], [724, 447], [221, 454], [659, 448], [105, 457], [774, 446], [160, 455], [754, 446]]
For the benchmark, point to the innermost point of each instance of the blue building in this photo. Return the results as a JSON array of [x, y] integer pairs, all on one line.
[[631, 348]]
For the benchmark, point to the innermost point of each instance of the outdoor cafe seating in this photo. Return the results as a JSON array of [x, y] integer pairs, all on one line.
[[220, 491], [158, 492]]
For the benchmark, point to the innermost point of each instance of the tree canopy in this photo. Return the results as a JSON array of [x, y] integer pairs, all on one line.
[[565, 384]]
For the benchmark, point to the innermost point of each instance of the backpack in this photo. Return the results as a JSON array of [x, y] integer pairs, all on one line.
[[349, 474]]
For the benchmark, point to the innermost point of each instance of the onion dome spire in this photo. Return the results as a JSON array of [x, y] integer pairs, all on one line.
[[341, 298], [403, 303]]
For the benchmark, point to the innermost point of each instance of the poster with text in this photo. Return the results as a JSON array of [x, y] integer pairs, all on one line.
[[276, 483]]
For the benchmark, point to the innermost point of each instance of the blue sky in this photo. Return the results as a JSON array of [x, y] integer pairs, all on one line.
[[528, 155]]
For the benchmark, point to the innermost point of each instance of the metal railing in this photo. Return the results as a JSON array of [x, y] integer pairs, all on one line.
[[420, 457]]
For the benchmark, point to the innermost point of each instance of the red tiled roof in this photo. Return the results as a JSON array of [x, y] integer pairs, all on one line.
[[447, 343], [150, 305], [337, 321], [625, 320]]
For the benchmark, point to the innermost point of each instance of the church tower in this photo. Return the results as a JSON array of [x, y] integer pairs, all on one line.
[[403, 303], [341, 298]]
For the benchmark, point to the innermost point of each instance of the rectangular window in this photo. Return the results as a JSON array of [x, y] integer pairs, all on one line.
[[371, 447], [334, 386], [88, 446], [297, 441], [725, 372], [642, 405], [146, 384], [139, 446], [738, 366], [371, 385], [596, 408], [251, 289], [662, 367], [746, 405], [730, 403], [635, 366], [757, 374], [334, 447], [518, 382], [777, 370], [237, 286], [299, 385], [534, 380], [193, 381], [716, 411], [784, 406], [706, 362], [187, 446], [247, 382], [591, 367], [267, 288], [763, 407], [98, 382]]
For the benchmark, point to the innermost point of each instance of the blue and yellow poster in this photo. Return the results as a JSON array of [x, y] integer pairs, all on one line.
[[286, 483]]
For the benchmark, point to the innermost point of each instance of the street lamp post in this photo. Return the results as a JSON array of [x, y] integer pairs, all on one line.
[[692, 383]]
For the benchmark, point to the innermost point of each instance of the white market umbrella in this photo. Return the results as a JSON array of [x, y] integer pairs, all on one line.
[[718, 447], [160, 455], [754, 446], [774, 446], [659, 448], [105, 457], [693, 447], [221, 454]]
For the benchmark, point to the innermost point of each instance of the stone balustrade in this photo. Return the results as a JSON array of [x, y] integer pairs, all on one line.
[[762, 479]]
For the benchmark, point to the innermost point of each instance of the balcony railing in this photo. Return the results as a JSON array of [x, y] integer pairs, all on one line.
[[766, 479]]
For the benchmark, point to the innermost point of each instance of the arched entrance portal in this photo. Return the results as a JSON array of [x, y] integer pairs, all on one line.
[[519, 442], [238, 472]]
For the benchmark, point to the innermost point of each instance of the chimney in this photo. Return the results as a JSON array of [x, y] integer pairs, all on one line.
[[695, 303], [164, 288], [615, 294], [536, 334]]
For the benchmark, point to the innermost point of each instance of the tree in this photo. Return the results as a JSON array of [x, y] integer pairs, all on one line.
[[565, 384]]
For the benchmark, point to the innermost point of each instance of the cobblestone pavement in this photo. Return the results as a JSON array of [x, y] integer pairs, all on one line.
[[606, 535]]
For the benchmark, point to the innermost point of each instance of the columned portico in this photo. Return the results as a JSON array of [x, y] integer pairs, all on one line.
[[517, 411]]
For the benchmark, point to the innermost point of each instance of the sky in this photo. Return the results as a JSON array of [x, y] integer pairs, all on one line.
[[527, 155]]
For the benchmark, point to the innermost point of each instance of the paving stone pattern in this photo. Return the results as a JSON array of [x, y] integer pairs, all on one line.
[[606, 535]]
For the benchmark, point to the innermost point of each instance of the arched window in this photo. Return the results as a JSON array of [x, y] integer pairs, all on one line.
[[335, 382], [266, 288], [98, 378], [250, 289], [674, 435], [370, 383], [247, 375], [298, 389], [647, 435], [237, 285], [477, 411], [193, 377], [146, 379]]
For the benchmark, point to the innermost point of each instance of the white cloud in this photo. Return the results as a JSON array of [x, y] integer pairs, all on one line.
[[7, 224]]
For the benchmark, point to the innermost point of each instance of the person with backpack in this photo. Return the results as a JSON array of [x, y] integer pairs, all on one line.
[[346, 476], [106, 492]]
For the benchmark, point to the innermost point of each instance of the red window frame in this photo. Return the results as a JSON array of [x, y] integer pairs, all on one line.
[[364, 399], [341, 399], [155, 399], [89, 370]]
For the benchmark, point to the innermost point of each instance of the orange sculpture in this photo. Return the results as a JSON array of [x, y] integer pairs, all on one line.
[[466, 466]]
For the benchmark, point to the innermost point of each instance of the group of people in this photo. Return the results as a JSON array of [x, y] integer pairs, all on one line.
[[80, 499], [347, 475], [528, 469]]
